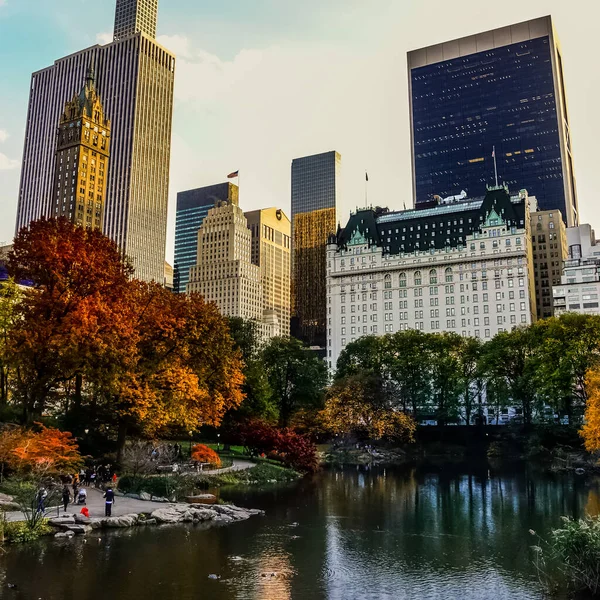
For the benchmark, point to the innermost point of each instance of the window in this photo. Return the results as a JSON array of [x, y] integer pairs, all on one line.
[[388, 281], [448, 275], [417, 277], [402, 280], [432, 276]]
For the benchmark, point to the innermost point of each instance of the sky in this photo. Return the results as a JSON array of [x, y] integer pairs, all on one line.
[[261, 82]]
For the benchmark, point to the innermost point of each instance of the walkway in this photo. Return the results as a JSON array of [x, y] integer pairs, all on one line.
[[122, 505]]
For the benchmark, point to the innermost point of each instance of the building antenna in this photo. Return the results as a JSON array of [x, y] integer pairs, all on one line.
[[495, 166], [366, 189]]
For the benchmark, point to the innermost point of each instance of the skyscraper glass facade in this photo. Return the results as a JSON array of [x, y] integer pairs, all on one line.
[[192, 208], [504, 98], [315, 188]]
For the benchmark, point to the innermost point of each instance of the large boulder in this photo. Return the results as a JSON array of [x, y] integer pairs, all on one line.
[[145, 496], [201, 499], [79, 529], [169, 514], [120, 522], [62, 521], [82, 520]]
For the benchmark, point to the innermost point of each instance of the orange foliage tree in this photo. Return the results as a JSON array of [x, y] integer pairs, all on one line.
[[204, 454], [47, 451], [591, 428], [136, 357]]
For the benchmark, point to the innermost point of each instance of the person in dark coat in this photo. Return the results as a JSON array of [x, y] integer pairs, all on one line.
[[66, 497], [109, 496]]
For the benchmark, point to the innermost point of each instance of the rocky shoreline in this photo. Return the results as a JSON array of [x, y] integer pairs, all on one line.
[[217, 514]]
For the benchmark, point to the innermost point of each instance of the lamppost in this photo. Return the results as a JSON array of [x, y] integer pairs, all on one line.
[[218, 440], [190, 433]]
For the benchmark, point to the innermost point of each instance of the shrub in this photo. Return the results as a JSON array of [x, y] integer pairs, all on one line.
[[19, 531], [294, 450], [204, 454], [575, 547]]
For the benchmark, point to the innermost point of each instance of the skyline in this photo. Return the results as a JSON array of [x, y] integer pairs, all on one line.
[[285, 83]]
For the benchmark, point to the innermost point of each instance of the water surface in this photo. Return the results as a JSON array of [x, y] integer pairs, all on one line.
[[453, 533]]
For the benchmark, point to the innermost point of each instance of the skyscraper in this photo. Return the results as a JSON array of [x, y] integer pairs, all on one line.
[[82, 154], [192, 208], [134, 77], [315, 190], [271, 252], [133, 16], [501, 89]]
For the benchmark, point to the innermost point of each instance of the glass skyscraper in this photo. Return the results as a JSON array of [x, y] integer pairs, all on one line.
[[192, 208], [315, 189], [501, 89]]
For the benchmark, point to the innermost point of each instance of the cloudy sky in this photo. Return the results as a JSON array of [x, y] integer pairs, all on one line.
[[260, 82]]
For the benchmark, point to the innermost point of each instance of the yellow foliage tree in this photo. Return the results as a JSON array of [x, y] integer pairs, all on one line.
[[591, 429]]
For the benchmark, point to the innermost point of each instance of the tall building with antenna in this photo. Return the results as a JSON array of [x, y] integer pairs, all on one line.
[[502, 88], [134, 78]]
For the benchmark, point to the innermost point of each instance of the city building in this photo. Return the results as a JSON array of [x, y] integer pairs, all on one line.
[[271, 252], [82, 158], [192, 208], [224, 272], [315, 196], [134, 78], [579, 289], [460, 265], [501, 89], [169, 276], [549, 245]]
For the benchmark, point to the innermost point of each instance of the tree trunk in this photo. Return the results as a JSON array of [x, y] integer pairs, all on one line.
[[121, 439], [77, 396]]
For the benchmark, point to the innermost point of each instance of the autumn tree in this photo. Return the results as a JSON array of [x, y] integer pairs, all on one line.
[[203, 454], [64, 320], [10, 298], [359, 406], [590, 431]]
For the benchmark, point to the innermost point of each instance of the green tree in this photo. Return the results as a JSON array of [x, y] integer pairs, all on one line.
[[445, 366], [509, 357], [366, 354], [407, 359], [10, 298], [296, 375], [245, 334], [469, 355], [567, 347]]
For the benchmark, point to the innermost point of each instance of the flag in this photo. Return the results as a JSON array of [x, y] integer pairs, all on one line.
[[233, 175], [366, 176]]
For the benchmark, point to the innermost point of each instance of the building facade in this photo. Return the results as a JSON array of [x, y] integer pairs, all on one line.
[[133, 16], [192, 208], [271, 252], [549, 246], [82, 158], [504, 89], [579, 288], [134, 77], [315, 196], [462, 266]]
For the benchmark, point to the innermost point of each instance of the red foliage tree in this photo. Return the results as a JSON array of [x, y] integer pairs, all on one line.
[[204, 454]]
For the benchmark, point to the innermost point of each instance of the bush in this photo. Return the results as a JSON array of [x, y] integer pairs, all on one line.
[[204, 454], [294, 450], [575, 547], [20, 531]]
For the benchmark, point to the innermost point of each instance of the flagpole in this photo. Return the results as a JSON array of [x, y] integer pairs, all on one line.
[[366, 189], [495, 166]]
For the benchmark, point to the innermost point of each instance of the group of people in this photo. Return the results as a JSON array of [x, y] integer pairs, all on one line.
[[173, 452]]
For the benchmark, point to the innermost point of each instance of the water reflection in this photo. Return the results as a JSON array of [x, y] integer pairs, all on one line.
[[457, 532]]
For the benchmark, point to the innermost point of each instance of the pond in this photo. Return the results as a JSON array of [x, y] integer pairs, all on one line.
[[451, 532]]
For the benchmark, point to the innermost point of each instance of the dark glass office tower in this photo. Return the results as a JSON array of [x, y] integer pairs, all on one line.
[[192, 207], [502, 89], [315, 189]]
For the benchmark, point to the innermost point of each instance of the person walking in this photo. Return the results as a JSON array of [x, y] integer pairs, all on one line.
[[41, 498], [66, 497], [109, 495]]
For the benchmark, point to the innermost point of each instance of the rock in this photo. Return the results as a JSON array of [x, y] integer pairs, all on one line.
[[70, 534], [6, 498], [134, 496], [214, 577], [82, 520], [79, 529], [580, 471], [166, 515], [159, 499], [61, 521], [120, 522], [201, 499], [145, 496], [8, 505], [60, 534], [147, 522]]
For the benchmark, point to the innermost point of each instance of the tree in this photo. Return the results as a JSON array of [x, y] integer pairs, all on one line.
[[46, 452], [296, 376], [65, 320], [204, 454], [10, 298], [590, 431], [566, 348], [469, 355], [245, 334], [366, 354], [508, 357], [445, 375], [359, 406]]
